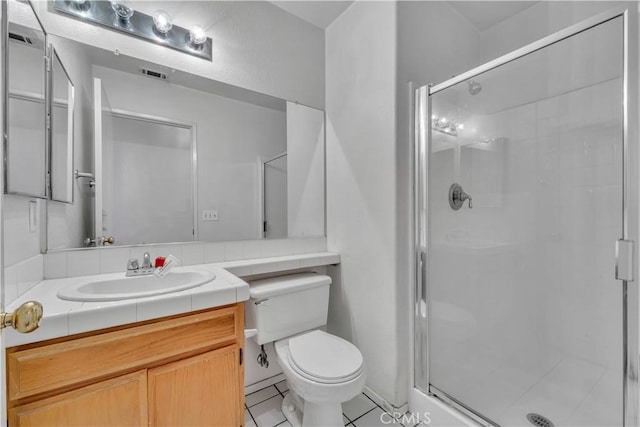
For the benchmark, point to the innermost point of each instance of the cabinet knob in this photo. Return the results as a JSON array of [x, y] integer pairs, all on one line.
[[25, 319]]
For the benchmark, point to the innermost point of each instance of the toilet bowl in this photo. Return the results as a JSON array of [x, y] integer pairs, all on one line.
[[322, 371]]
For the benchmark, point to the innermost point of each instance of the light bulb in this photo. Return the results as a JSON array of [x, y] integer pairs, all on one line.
[[197, 35], [162, 21], [123, 9]]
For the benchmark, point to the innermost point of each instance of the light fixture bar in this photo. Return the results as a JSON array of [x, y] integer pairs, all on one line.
[[139, 25]]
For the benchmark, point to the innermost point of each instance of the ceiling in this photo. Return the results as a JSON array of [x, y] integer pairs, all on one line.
[[319, 13], [485, 14], [482, 14]]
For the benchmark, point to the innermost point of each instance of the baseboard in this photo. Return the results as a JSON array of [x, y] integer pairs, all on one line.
[[263, 384], [384, 404]]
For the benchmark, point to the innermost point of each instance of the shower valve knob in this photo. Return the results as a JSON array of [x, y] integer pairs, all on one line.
[[457, 197]]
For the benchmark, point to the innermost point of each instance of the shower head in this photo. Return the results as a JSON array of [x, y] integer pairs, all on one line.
[[474, 87]]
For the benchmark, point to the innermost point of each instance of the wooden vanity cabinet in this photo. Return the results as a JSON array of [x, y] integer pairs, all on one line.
[[183, 370]]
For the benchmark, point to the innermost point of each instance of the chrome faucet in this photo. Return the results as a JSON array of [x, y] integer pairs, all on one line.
[[134, 268], [146, 260]]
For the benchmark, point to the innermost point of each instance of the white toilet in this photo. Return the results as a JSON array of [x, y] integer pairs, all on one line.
[[322, 370]]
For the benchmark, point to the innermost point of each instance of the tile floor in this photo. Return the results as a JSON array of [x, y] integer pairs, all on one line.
[[263, 409]]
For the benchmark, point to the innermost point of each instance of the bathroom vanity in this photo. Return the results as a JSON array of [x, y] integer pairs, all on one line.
[[178, 370]]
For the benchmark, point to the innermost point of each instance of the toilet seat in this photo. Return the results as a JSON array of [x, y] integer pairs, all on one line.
[[324, 358]]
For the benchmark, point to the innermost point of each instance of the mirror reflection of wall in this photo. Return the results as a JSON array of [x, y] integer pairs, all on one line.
[[230, 136], [62, 108], [274, 172], [149, 197], [68, 224]]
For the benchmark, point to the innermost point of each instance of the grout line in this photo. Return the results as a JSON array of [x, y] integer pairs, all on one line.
[[262, 401], [252, 419], [370, 410], [374, 402], [257, 403]]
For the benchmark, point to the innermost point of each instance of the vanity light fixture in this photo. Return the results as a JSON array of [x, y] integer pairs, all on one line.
[[122, 9], [197, 35], [119, 15], [162, 21]]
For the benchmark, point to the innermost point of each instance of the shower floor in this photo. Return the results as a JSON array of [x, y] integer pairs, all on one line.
[[566, 390]]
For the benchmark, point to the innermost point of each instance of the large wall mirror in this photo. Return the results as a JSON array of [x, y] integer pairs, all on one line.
[[150, 155]]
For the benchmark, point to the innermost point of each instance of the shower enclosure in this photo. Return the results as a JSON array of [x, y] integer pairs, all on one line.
[[526, 209]]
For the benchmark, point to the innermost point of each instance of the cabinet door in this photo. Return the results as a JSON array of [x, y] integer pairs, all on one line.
[[199, 391], [118, 402]]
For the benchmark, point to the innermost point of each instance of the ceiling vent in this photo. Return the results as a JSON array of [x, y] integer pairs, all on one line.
[[154, 74], [20, 38]]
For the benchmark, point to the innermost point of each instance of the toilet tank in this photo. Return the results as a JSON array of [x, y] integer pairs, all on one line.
[[283, 306]]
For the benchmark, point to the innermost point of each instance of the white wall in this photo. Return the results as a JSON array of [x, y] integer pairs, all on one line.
[[369, 168], [361, 188], [434, 43], [305, 171], [256, 45], [230, 137]]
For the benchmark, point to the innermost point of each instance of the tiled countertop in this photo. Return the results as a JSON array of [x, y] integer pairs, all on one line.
[[63, 318]]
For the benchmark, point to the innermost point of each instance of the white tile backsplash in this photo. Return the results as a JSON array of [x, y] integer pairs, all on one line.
[[166, 250], [10, 283], [233, 251], [55, 265], [75, 263], [253, 250], [138, 252], [193, 254], [114, 260], [83, 263], [20, 277], [213, 252]]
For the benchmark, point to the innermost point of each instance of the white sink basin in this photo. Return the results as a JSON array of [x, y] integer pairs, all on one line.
[[135, 287]]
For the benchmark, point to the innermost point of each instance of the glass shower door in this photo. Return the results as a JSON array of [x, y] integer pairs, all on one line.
[[524, 312]]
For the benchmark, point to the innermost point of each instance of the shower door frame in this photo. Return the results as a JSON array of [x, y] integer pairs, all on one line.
[[630, 210]]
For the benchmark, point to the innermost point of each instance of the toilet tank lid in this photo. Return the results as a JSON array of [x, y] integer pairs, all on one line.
[[266, 288]]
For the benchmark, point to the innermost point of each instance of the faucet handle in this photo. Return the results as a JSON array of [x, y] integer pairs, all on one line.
[[146, 260], [133, 264], [464, 197]]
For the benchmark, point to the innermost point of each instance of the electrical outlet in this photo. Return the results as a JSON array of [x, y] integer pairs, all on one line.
[[209, 215]]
